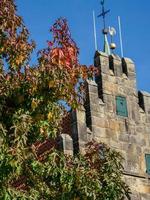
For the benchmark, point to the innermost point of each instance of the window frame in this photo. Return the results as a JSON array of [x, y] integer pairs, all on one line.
[[147, 162], [118, 112]]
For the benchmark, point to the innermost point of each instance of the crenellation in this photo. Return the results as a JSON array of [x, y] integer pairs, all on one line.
[[87, 107], [66, 144], [92, 99], [111, 65], [131, 73], [144, 101], [78, 128], [92, 86], [129, 65], [101, 61], [124, 68], [116, 65]]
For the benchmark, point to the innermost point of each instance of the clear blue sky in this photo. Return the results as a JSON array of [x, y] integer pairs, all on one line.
[[39, 15]]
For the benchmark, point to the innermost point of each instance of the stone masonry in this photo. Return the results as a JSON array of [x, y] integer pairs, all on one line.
[[99, 120]]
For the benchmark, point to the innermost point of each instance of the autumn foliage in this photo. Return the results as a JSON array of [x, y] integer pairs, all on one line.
[[61, 59], [31, 113], [14, 47]]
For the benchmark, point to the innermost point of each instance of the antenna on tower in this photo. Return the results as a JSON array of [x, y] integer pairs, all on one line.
[[94, 26], [120, 35]]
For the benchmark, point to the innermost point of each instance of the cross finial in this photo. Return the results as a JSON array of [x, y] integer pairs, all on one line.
[[103, 13], [105, 30]]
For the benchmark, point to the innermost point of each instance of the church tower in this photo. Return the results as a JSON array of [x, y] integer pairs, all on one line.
[[120, 117], [117, 114]]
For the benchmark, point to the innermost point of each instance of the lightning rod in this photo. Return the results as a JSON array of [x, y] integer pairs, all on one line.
[[94, 26], [120, 35]]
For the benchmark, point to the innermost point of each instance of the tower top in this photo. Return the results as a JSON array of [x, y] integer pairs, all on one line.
[[105, 30]]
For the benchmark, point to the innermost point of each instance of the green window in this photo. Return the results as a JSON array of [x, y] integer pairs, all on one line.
[[121, 106], [147, 158]]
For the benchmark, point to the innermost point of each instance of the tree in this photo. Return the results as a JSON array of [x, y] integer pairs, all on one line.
[[31, 115], [14, 45]]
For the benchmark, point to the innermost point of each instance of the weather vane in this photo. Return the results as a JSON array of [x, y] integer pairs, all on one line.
[[103, 15]]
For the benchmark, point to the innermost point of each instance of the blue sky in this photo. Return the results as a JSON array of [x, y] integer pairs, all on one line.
[[39, 15]]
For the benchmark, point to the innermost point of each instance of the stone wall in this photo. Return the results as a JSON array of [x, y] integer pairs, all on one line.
[[98, 119]]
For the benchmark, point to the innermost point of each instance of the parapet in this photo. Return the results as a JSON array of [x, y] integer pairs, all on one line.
[[115, 64], [144, 101]]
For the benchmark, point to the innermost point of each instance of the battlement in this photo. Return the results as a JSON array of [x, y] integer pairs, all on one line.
[[116, 80], [144, 101], [119, 66]]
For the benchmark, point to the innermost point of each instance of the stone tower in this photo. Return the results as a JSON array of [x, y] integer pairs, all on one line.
[[117, 114]]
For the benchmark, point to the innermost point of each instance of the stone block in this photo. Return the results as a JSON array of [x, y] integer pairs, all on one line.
[[80, 115], [82, 135], [135, 197], [110, 88], [117, 64], [130, 65], [93, 98], [99, 132], [115, 144], [112, 134], [99, 122], [124, 137], [101, 61], [97, 114], [103, 140], [92, 87], [145, 196], [67, 144], [114, 125]]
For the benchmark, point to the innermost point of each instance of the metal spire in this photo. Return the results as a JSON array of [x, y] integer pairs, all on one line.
[[105, 30]]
